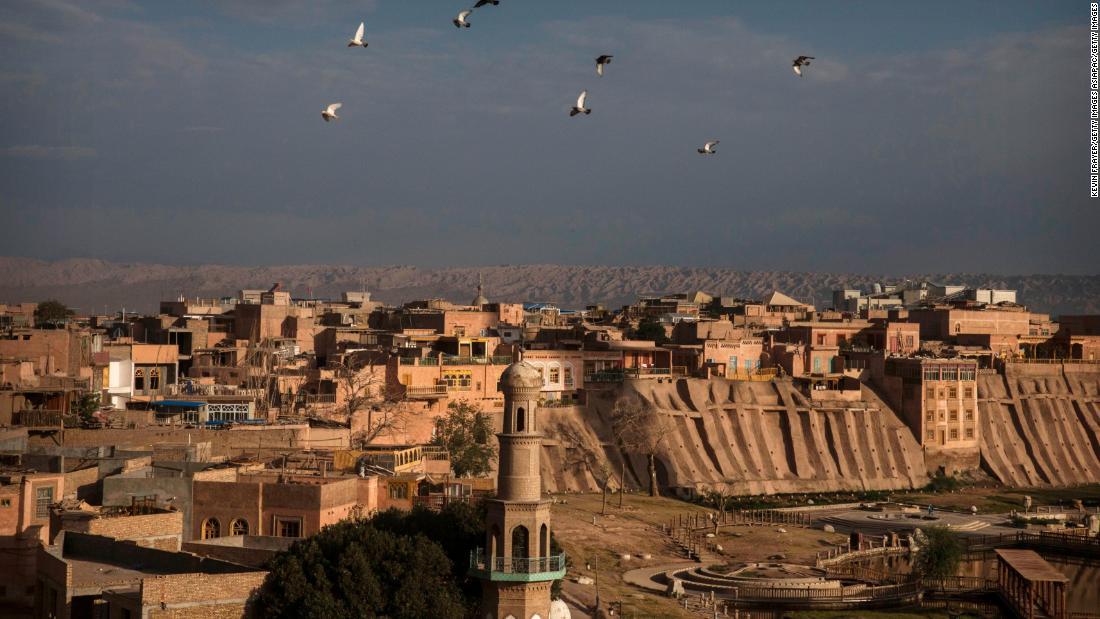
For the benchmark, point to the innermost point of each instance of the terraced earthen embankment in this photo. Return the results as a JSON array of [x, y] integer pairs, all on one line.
[[1041, 424], [742, 437]]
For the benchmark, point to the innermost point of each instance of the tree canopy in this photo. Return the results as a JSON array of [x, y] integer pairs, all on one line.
[[51, 312], [939, 554], [650, 329], [466, 433], [396, 564]]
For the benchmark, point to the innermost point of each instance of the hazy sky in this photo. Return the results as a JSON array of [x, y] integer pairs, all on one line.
[[927, 136]]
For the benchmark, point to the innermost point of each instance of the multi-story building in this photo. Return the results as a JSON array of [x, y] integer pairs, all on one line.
[[25, 502], [938, 400]]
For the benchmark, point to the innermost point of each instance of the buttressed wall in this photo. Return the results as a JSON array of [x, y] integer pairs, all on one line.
[[1041, 424], [746, 437]]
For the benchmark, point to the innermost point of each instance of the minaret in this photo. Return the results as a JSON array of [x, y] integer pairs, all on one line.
[[480, 299], [516, 565]]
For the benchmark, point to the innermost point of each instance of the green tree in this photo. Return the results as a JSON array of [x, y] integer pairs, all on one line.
[[939, 554], [354, 569], [466, 434], [51, 312], [650, 329], [86, 407]]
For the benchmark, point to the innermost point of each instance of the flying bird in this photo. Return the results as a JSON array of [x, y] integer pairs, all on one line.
[[600, 62], [801, 61], [481, 3], [329, 113], [357, 40], [460, 21], [708, 148], [579, 107]]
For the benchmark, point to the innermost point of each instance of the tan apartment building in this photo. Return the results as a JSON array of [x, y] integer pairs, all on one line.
[[25, 503], [938, 400]]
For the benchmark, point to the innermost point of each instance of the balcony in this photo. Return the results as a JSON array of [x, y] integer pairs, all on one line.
[[38, 418], [431, 392], [493, 360], [516, 569]]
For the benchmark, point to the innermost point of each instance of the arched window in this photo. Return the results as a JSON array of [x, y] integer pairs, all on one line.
[[544, 541], [154, 379], [211, 528], [519, 542], [139, 380], [238, 527], [521, 419], [958, 327]]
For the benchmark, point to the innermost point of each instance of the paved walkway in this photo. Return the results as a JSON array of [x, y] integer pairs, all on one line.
[[643, 576]]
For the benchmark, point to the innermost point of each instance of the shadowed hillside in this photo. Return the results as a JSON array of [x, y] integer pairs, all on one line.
[[92, 284]]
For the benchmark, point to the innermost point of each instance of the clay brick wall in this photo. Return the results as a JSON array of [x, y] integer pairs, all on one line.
[[223, 442], [82, 484], [226, 501], [161, 531], [199, 595]]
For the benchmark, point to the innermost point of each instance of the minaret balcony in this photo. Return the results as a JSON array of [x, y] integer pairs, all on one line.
[[516, 569]]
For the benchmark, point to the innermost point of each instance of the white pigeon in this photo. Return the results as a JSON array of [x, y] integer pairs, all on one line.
[[708, 148], [329, 113], [579, 107], [357, 40], [460, 21]]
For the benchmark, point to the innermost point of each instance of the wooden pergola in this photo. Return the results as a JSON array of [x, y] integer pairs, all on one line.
[[1033, 587]]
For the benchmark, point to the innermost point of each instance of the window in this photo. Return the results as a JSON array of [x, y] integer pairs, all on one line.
[[966, 373], [154, 379], [931, 373], [954, 434], [952, 392], [139, 380], [931, 416], [568, 376], [238, 527], [931, 393], [820, 339], [748, 364], [458, 380], [288, 527], [43, 498], [930, 435], [909, 341], [969, 415], [5, 502], [970, 433], [555, 374], [460, 331], [954, 415], [521, 419], [817, 365], [211, 528], [968, 392], [398, 491], [950, 374]]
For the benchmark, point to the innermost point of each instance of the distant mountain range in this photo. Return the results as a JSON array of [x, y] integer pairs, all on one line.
[[92, 285]]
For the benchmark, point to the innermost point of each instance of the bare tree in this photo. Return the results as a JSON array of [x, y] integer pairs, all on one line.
[[637, 428], [579, 454], [718, 495], [365, 390]]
